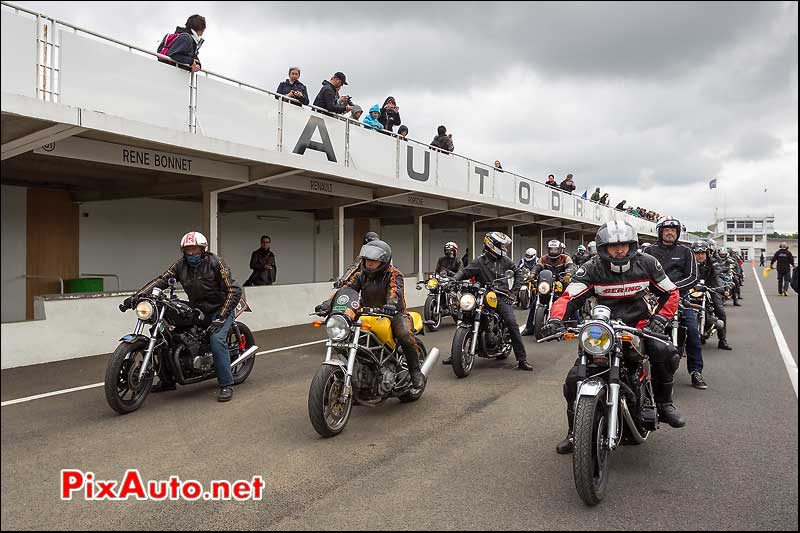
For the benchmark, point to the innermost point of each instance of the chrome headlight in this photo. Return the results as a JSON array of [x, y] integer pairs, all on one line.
[[338, 328], [544, 287], [432, 283], [144, 310], [597, 338], [467, 302]]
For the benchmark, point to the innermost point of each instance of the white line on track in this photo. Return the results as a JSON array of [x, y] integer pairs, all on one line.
[[95, 385], [783, 346]]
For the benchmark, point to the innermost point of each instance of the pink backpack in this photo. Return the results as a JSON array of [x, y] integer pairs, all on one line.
[[168, 40]]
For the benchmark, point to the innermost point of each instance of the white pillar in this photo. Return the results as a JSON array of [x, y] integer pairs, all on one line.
[[338, 242]]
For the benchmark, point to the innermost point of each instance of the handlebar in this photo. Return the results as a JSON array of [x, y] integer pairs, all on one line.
[[617, 327]]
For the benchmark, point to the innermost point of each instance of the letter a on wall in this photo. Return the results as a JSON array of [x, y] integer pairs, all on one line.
[[305, 142]]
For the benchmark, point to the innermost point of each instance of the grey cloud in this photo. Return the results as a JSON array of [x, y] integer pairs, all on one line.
[[754, 146]]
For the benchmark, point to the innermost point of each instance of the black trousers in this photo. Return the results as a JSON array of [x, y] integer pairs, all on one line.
[[506, 312], [719, 310], [402, 327], [664, 361], [784, 276]]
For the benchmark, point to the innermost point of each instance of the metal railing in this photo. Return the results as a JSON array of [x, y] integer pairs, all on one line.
[[48, 68], [43, 276]]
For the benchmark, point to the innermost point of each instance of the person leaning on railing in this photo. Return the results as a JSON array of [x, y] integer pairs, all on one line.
[[328, 96], [184, 45], [443, 140], [293, 87]]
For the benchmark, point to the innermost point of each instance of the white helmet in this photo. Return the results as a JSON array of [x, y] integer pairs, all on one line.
[[194, 238], [530, 253], [592, 247], [555, 243]]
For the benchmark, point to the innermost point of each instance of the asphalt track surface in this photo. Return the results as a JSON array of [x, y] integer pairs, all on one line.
[[476, 453]]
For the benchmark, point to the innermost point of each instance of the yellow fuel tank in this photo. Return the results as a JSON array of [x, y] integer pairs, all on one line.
[[381, 327]]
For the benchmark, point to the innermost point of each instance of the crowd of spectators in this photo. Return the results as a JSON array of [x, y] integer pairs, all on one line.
[[183, 47]]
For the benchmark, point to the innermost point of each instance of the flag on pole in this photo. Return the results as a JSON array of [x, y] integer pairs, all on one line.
[[765, 190], [713, 184], [585, 194]]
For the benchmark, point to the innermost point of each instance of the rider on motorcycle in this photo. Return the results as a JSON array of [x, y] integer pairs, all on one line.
[[528, 260], [381, 285], [556, 261], [581, 256], [592, 249], [449, 264], [368, 237], [679, 264], [729, 264], [210, 287], [618, 280], [487, 268], [712, 275]]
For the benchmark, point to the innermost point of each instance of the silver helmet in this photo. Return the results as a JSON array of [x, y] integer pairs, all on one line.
[[376, 250], [616, 232], [530, 254]]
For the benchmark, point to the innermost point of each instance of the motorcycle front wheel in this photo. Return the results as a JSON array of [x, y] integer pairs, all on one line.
[[328, 414], [590, 458], [524, 299], [539, 319], [430, 314], [125, 392], [237, 345], [460, 352]]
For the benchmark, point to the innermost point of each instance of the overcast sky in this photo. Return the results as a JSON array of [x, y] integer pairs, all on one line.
[[646, 101]]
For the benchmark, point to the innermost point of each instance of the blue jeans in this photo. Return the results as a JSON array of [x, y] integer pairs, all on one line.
[[222, 358], [694, 350]]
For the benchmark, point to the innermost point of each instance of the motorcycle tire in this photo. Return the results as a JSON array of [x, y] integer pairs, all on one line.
[[459, 352], [429, 314], [121, 368], [590, 458], [524, 300], [415, 394], [539, 320], [327, 383], [242, 371]]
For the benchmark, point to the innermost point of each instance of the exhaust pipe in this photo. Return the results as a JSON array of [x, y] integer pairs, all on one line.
[[248, 353], [430, 361], [631, 425]]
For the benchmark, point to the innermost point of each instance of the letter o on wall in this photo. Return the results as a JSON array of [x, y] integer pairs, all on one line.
[[524, 193]]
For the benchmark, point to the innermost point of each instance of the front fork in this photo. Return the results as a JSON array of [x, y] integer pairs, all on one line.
[[351, 363], [475, 331], [153, 336], [612, 402]]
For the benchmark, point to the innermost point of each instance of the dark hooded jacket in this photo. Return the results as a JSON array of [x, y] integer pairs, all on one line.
[[328, 99], [184, 49], [389, 118]]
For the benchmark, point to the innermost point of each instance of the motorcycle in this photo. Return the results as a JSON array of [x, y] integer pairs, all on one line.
[[176, 346], [442, 301], [481, 331], [363, 363], [614, 404], [525, 292], [549, 291], [707, 321]]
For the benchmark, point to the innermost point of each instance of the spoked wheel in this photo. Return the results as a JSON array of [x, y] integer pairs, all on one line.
[[460, 352], [433, 320], [237, 345], [590, 458], [328, 414], [125, 392], [415, 394]]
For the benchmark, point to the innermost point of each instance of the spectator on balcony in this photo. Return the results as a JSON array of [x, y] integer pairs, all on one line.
[[568, 184], [595, 195], [184, 45], [390, 114], [373, 119], [604, 199], [444, 140], [621, 205], [329, 99], [293, 88], [356, 113], [498, 166], [262, 262], [551, 181], [402, 131]]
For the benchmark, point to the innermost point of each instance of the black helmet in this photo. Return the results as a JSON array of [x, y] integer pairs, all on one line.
[[376, 250], [668, 223], [496, 243], [616, 232], [700, 247], [369, 237]]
